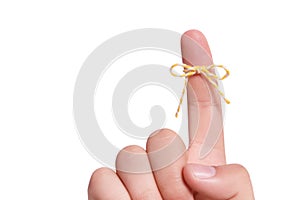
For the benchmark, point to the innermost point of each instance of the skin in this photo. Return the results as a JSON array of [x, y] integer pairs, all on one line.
[[188, 177]]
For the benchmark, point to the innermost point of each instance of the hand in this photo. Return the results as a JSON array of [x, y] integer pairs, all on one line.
[[188, 177]]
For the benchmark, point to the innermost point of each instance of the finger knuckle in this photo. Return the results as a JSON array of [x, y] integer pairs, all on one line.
[[242, 170], [97, 177]]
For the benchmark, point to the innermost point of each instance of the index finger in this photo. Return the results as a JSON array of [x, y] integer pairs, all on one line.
[[204, 105]]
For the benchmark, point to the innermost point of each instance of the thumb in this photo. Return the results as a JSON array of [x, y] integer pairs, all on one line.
[[230, 182]]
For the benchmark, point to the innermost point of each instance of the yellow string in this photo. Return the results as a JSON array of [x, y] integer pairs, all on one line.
[[204, 70]]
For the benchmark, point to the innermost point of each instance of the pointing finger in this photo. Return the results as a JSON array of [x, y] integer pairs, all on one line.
[[204, 104]]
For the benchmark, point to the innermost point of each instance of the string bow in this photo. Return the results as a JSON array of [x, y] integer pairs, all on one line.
[[205, 71]]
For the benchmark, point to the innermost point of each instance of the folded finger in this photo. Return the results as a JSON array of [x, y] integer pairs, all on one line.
[[134, 170], [167, 156], [106, 185]]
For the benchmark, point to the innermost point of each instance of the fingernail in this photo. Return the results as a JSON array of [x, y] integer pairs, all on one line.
[[201, 171]]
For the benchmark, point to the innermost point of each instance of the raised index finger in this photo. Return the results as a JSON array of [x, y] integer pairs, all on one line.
[[204, 105]]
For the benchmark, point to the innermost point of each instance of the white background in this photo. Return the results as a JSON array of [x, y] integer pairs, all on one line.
[[43, 45]]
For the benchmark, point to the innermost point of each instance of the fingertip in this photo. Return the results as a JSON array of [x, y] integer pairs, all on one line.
[[105, 184], [98, 175], [132, 159], [164, 147], [193, 39], [228, 180], [160, 138]]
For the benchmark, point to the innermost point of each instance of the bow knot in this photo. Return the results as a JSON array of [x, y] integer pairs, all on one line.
[[205, 71]]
